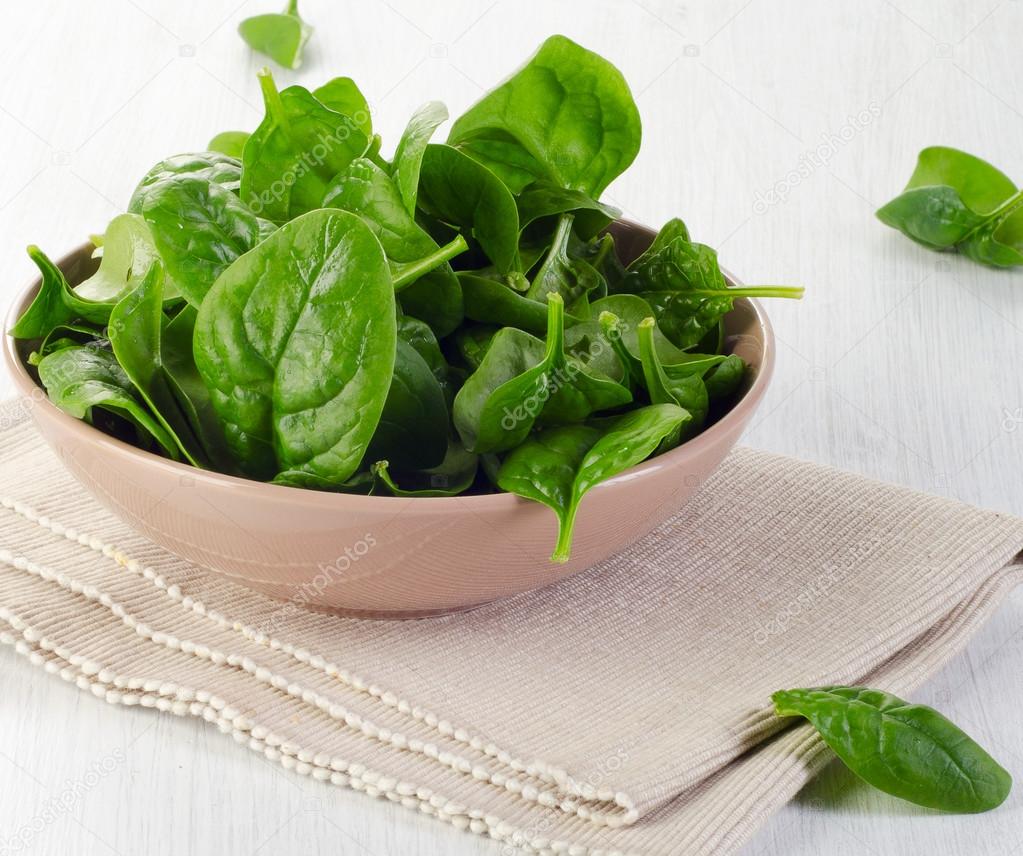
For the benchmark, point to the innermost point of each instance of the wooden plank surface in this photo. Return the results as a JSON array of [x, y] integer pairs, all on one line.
[[774, 128]]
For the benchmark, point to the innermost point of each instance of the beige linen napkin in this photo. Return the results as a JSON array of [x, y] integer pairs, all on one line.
[[626, 710]]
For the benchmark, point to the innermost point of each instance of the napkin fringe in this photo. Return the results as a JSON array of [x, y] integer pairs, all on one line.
[[538, 770], [168, 697]]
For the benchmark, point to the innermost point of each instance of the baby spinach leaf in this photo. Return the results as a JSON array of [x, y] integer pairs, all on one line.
[[231, 143], [672, 384], [281, 37], [342, 95], [493, 302], [129, 251], [56, 303], [199, 228], [296, 342], [433, 295], [558, 466], [408, 157], [135, 331], [297, 149], [214, 167], [521, 379], [566, 116], [571, 278], [908, 750], [81, 379], [413, 429], [955, 200], [457, 190], [684, 286], [601, 255]]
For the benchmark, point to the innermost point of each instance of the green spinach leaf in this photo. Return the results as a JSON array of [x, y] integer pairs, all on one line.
[[571, 278], [135, 331], [199, 228], [433, 295], [214, 167], [300, 145], [459, 191], [408, 157], [957, 201], [82, 379], [342, 95], [296, 342], [908, 750], [282, 37], [558, 466], [567, 116]]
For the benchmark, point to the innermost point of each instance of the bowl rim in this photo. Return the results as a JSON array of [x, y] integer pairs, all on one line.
[[690, 449]]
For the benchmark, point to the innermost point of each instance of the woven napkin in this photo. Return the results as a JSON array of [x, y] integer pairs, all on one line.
[[625, 710]]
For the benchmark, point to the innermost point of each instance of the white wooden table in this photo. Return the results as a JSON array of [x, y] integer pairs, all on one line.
[[900, 363]]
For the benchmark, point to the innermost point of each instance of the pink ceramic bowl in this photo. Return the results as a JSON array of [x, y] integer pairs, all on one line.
[[384, 556]]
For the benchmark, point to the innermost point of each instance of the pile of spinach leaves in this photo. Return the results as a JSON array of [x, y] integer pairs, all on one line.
[[292, 306]]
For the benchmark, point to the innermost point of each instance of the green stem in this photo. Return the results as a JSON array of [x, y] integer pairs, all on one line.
[[271, 97], [566, 523], [405, 274], [610, 324], [794, 292], [1002, 212], [554, 356], [292, 8]]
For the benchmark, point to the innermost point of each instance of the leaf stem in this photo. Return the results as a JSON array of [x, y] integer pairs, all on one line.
[[271, 97], [405, 274], [794, 292], [566, 523]]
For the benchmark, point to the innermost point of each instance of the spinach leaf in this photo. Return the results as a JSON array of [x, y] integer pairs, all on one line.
[[419, 335], [908, 750], [601, 255], [231, 143], [684, 286], [408, 157], [199, 228], [83, 379], [135, 332], [129, 250], [281, 37], [296, 342], [457, 190], [300, 145], [957, 201], [567, 116], [522, 379], [571, 278], [558, 466], [672, 384], [342, 95], [434, 295], [56, 303], [214, 167], [493, 302], [413, 429], [471, 343]]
